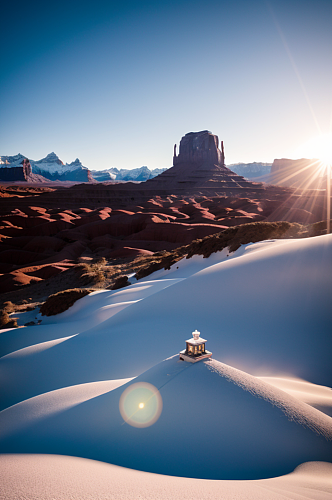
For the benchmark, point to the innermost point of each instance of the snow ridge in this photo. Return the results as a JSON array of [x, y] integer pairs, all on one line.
[[294, 409]]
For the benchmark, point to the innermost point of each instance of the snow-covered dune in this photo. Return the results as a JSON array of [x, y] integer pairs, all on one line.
[[216, 422], [46, 477], [263, 309]]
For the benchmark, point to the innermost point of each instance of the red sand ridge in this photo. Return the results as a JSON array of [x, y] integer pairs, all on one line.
[[37, 242]]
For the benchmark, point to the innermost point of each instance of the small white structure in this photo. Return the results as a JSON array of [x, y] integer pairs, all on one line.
[[195, 349]]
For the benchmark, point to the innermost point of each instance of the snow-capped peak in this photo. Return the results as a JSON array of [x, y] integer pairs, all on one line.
[[51, 167], [75, 163], [52, 164], [51, 158]]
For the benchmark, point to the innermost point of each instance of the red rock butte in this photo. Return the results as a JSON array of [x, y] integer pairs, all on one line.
[[200, 164]]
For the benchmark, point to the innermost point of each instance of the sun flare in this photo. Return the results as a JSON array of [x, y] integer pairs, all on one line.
[[319, 147], [141, 405]]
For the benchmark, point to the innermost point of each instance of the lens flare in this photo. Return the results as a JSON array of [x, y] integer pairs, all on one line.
[[141, 404]]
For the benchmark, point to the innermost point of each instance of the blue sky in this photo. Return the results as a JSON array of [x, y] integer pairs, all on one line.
[[117, 83]]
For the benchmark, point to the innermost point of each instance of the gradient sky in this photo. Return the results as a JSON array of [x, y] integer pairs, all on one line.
[[117, 83]]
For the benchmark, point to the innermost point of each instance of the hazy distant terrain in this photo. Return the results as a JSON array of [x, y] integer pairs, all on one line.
[[51, 168], [136, 174], [251, 170]]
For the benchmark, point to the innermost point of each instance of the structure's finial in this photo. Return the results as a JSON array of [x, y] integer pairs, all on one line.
[[196, 334]]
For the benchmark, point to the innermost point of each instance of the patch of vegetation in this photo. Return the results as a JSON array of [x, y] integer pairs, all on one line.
[[8, 307], [161, 260], [94, 273], [318, 228], [6, 321], [232, 237], [61, 301]]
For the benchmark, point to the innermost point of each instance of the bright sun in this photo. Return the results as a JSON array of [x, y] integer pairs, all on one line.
[[318, 147], [141, 405]]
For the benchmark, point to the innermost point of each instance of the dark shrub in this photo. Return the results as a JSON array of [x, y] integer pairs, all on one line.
[[6, 321], [61, 301], [121, 282], [92, 273], [8, 307]]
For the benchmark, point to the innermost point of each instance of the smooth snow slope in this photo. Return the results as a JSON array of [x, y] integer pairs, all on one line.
[[49, 477], [266, 311], [217, 422]]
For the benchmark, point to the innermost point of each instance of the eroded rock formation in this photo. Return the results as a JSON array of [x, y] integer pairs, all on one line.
[[19, 170], [200, 165], [198, 148], [303, 173]]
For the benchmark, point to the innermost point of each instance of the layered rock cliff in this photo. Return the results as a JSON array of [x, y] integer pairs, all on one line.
[[303, 173], [17, 168]]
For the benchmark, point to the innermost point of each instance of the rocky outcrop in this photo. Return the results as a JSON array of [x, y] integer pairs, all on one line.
[[17, 168], [200, 167], [199, 148], [303, 173], [17, 173]]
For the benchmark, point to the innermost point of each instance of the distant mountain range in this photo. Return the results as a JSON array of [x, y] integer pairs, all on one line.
[[20, 168], [251, 170], [54, 169], [51, 168], [136, 174]]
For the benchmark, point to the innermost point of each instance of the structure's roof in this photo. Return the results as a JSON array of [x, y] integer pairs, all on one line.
[[196, 342]]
